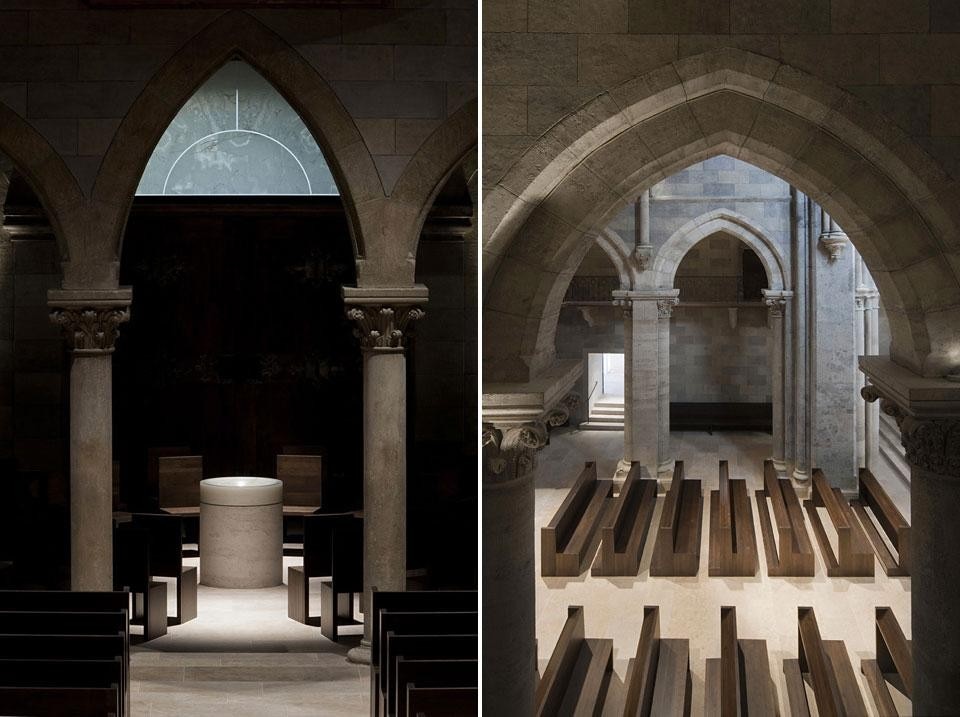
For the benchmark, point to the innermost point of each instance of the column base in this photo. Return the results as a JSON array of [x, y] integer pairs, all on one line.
[[623, 468], [360, 655], [779, 466], [801, 476], [666, 467]]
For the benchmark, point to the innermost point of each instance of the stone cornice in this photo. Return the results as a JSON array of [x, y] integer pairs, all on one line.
[[90, 319], [513, 404]]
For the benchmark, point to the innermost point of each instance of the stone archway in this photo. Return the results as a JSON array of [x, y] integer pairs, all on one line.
[[895, 203], [234, 34]]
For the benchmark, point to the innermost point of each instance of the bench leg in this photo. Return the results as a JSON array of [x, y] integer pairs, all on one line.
[[186, 596], [329, 610], [155, 611], [298, 597]]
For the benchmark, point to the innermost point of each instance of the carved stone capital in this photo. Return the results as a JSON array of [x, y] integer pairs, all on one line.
[[383, 328], [932, 444], [560, 414], [511, 453], [777, 302], [665, 307], [90, 330], [834, 243], [642, 256]]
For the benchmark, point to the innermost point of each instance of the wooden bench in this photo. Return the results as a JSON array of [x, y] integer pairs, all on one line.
[[579, 672], [894, 662], [658, 676], [569, 542], [178, 480], [854, 555], [441, 701], [64, 652], [890, 520], [132, 573], [624, 534], [302, 479], [165, 535], [332, 551], [420, 647], [733, 542], [792, 554], [738, 682], [826, 663], [677, 549], [452, 612], [435, 674], [75, 701]]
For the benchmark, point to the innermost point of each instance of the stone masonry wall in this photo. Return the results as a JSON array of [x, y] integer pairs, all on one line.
[[73, 72], [543, 58]]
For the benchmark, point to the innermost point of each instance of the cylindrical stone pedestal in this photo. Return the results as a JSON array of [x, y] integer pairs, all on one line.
[[241, 532], [509, 597]]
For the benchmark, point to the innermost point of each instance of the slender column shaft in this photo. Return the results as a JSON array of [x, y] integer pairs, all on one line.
[[778, 302], [872, 419], [861, 425], [384, 474], [91, 471], [799, 243], [664, 455], [509, 598], [643, 218]]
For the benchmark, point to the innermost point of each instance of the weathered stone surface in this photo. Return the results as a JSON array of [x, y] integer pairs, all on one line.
[[351, 62], [686, 16], [506, 110], [610, 59], [533, 59], [891, 16], [780, 16], [846, 60]]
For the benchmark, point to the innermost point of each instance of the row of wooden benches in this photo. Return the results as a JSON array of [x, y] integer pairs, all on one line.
[[592, 519], [64, 653], [579, 678], [424, 650]]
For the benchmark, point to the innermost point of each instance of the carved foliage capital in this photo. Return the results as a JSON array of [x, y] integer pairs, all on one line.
[[776, 305], [834, 243], [511, 453], [932, 444], [90, 329], [383, 327], [665, 307]]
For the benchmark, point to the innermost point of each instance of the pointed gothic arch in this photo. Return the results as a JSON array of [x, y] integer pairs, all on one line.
[[895, 203], [235, 34]]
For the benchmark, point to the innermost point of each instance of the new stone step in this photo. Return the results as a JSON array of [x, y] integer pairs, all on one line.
[[607, 411], [592, 425]]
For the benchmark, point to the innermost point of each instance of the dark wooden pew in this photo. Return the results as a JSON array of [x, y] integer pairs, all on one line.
[[738, 682], [179, 479], [677, 549], [733, 542], [132, 572], [624, 533], [302, 480], [874, 499], [579, 673], [165, 535], [658, 676], [332, 551], [434, 673], [46, 631], [854, 556], [441, 701], [569, 542], [420, 647], [447, 612], [828, 667], [894, 662], [794, 556], [55, 701]]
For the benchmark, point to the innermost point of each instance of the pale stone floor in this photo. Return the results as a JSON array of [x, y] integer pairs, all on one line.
[[243, 657], [690, 607]]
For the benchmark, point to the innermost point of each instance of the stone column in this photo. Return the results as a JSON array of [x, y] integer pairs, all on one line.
[[509, 569], [91, 321], [642, 388], [383, 317], [777, 301], [664, 454], [860, 303], [643, 250], [801, 227], [930, 431]]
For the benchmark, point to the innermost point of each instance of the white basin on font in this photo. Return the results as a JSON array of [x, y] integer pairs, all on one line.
[[241, 490]]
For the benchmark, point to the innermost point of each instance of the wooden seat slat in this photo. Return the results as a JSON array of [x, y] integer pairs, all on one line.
[[643, 670], [432, 673], [48, 701], [893, 650], [813, 659], [552, 686], [623, 535], [671, 693], [891, 521], [569, 542], [877, 684], [733, 540], [677, 547], [850, 696], [442, 701], [761, 695], [796, 691], [854, 556]]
